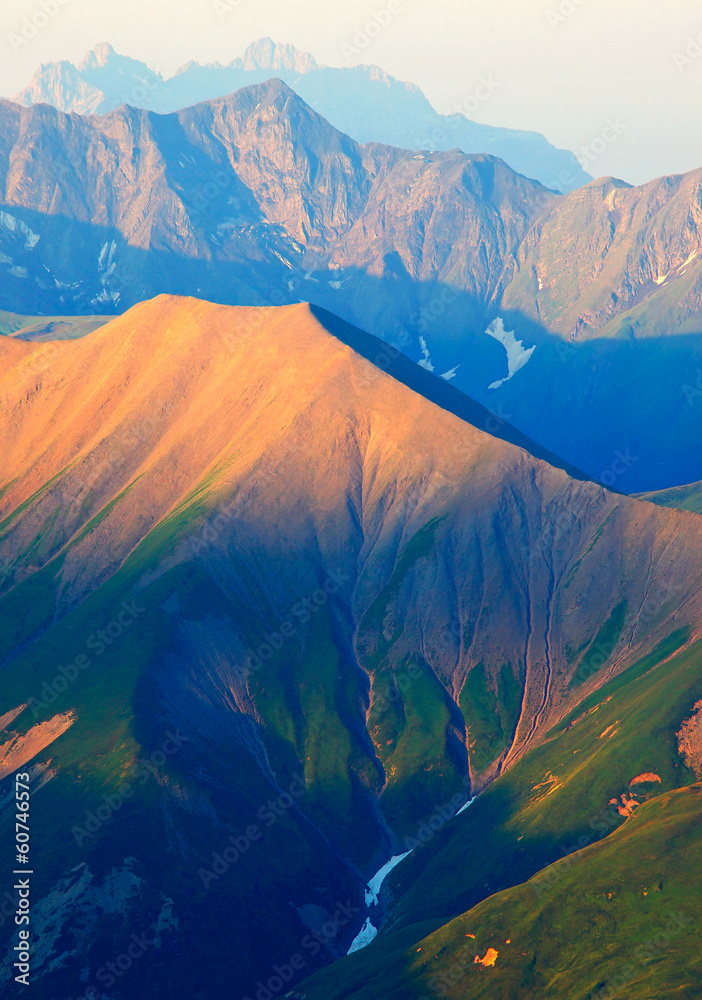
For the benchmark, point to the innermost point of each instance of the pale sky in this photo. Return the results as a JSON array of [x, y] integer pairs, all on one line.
[[570, 75]]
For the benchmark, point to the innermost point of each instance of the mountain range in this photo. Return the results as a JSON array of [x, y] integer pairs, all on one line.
[[362, 101], [274, 598], [350, 546], [588, 302]]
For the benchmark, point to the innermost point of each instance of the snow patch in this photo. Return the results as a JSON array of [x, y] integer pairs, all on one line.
[[14, 225], [282, 259], [364, 937], [106, 268], [236, 221], [517, 354], [8, 221], [426, 360], [368, 932], [102, 254], [373, 889], [468, 803], [427, 363]]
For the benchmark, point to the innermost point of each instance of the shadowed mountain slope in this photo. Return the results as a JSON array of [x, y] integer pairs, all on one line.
[[616, 919], [613, 260], [252, 196]]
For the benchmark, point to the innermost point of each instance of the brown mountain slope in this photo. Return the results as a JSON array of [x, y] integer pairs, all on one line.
[[182, 406], [237, 525], [362, 101], [255, 199]]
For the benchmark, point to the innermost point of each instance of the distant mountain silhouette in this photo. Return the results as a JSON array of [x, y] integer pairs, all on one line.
[[363, 101]]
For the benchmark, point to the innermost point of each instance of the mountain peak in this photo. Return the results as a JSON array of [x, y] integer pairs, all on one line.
[[364, 102], [267, 54], [98, 57], [273, 91]]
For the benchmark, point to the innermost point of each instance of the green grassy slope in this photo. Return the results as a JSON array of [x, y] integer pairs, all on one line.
[[619, 918], [687, 497], [557, 797], [49, 327], [579, 924], [214, 576], [181, 811], [560, 801]]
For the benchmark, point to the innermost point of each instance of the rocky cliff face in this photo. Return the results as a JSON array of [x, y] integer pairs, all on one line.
[[613, 261], [252, 195]]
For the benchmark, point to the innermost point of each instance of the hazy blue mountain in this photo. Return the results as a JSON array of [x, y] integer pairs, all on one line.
[[364, 101]]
